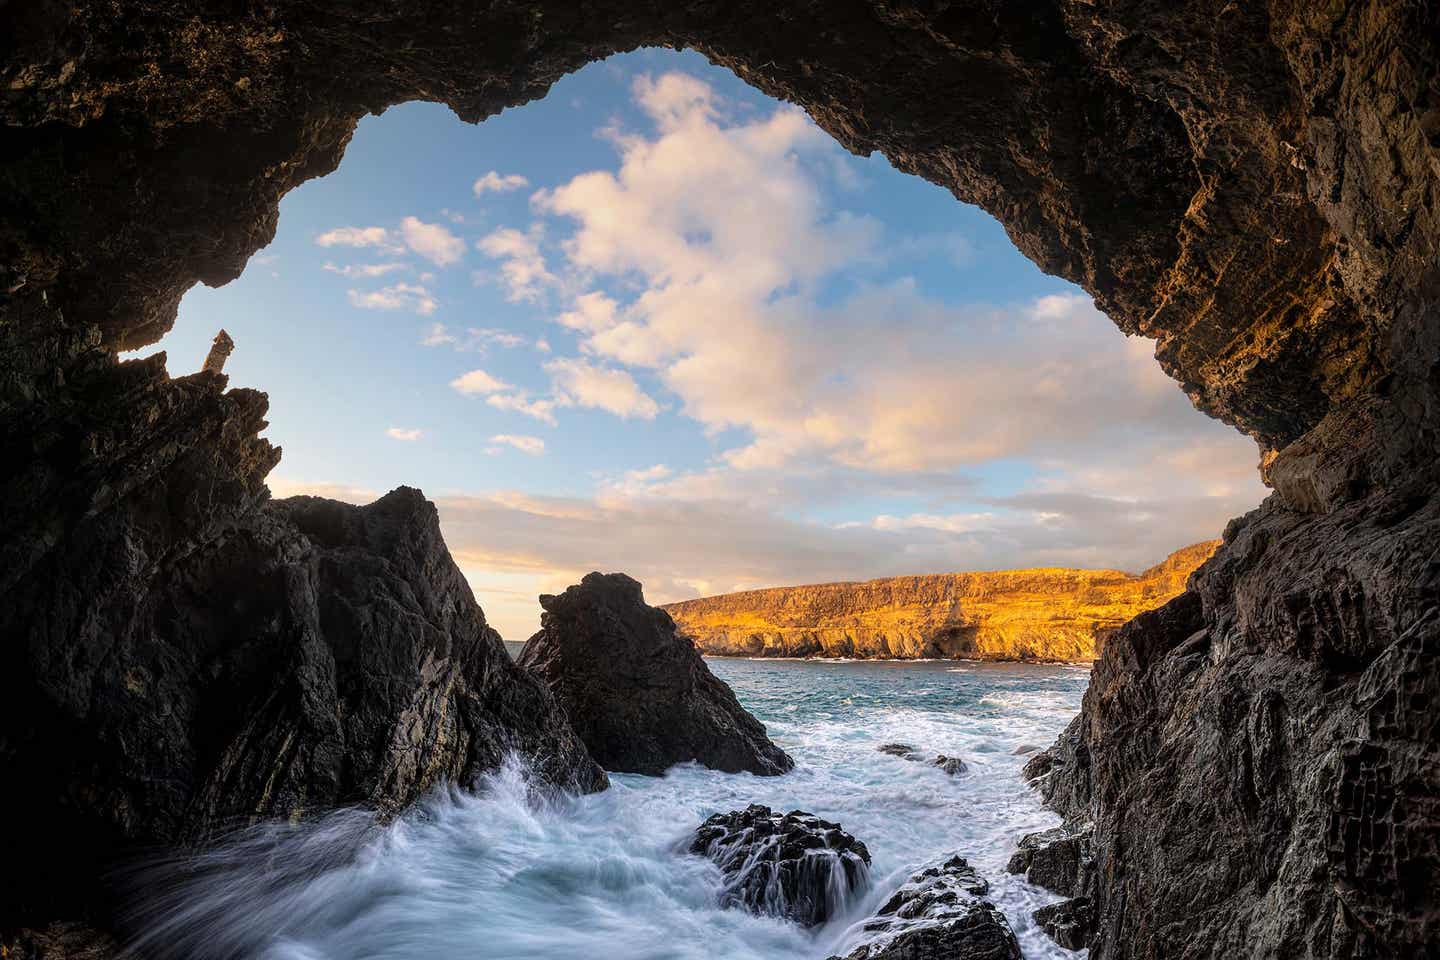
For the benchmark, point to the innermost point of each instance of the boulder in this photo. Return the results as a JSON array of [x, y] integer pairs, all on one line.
[[1058, 860], [940, 913], [1069, 923], [793, 865], [639, 694]]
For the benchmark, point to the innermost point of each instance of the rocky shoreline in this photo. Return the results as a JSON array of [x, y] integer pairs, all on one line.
[[1254, 186]]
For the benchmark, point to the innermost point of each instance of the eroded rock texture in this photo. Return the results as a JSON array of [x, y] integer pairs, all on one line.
[[186, 657], [1044, 614], [791, 865], [1252, 184], [637, 692], [940, 913]]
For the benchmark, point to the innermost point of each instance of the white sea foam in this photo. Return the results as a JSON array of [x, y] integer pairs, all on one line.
[[512, 873]]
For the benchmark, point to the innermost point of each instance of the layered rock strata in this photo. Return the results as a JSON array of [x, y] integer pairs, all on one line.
[[637, 692], [1045, 614], [792, 865], [940, 913], [1252, 185]]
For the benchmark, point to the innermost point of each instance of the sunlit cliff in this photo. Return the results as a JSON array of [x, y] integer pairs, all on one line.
[[1040, 614]]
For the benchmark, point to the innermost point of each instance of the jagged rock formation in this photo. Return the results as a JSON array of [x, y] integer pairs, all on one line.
[[635, 691], [272, 663], [1045, 614], [1253, 185], [794, 865], [939, 914]]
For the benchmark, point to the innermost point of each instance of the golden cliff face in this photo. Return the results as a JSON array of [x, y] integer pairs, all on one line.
[[1041, 614]]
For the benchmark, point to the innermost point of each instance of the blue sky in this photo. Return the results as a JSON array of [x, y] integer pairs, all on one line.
[[660, 323]]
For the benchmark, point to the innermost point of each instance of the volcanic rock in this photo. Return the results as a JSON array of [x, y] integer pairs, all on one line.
[[795, 866], [637, 693], [951, 765], [939, 914], [1058, 860], [207, 662], [1069, 923], [1048, 614], [1252, 185]]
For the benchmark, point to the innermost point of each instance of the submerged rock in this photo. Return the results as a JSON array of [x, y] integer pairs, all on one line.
[[794, 865], [638, 694], [939, 914], [951, 765]]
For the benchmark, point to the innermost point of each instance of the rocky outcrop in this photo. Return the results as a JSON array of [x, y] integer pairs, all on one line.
[[186, 657], [1046, 614], [635, 691], [1261, 756], [1252, 185], [939, 914], [795, 865], [951, 765]]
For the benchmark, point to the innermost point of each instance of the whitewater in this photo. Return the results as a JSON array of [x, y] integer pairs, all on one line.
[[513, 873]]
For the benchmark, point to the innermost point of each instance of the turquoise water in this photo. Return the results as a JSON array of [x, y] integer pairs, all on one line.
[[506, 874]]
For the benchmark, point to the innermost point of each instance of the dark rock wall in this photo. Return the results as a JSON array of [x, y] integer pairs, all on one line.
[[1253, 184], [306, 655], [637, 692]]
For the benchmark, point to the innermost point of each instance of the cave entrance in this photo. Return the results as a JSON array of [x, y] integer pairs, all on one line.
[[662, 323]]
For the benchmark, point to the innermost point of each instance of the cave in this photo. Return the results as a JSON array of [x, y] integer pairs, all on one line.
[[1255, 186]]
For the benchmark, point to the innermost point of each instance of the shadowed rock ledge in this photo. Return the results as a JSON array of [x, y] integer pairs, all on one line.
[[1044, 614], [636, 692]]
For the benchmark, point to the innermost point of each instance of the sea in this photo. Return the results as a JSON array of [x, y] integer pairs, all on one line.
[[509, 872]]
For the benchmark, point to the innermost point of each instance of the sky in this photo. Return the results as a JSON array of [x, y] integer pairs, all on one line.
[[658, 322]]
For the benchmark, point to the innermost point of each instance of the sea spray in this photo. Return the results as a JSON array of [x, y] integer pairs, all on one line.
[[505, 873]]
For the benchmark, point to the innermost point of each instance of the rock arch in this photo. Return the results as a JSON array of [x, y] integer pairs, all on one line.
[[1254, 185]]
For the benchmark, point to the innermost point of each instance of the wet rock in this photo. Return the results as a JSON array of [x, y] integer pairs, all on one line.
[[63, 941], [794, 865], [1069, 923], [225, 662], [939, 914], [1023, 749], [951, 765], [637, 693], [1058, 860]]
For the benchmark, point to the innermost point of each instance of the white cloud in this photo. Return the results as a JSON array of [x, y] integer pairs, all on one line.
[[433, 241], [438, 335], [377, 237], [366, 269], [578, 383], [534, 446], [400, 296], [494, 182], [478, 381], [522, 266], [404, 433], [520, 402]]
